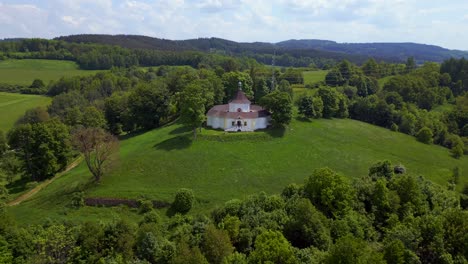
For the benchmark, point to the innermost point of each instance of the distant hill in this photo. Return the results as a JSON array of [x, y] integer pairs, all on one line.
[[392, 51], [356, 52]]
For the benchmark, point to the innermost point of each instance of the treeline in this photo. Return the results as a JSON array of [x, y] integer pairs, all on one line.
[[262, 52], [95, 55], [387, 216], [405, 102]]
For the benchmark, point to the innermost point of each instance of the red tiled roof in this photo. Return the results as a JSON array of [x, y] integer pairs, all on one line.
[[240, 98], [223, 111]]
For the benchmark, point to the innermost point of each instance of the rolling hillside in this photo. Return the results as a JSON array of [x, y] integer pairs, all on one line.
[[356, 52], [221, 167]]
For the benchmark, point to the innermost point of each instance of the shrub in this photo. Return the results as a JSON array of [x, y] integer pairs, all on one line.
[[31, 185], [78, 200], [424, 135], [394, 127], [145, 206], [399, 169], [183, 201]]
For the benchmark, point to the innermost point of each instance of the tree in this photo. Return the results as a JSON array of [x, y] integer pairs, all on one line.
[[307, 226], [192, 107], [280, 106], [353, 251], [183, 201], [231, 84], [329, 192], [381, 169], [92, 117], [272, 247], [424, 135], [97, 146], [148, 105], [331, 101], [43, 148], [37, 83], [216, 245], [33, 116], [284, 86]]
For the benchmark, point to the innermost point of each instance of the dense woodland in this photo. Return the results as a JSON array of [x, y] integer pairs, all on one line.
[[385, 216]]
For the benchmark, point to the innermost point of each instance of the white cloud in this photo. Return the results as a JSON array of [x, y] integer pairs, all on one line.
[[243, 20]]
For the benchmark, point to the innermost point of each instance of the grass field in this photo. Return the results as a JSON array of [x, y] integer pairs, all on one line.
[[23, 72], [12, 106], [157, 163], [311, 77]]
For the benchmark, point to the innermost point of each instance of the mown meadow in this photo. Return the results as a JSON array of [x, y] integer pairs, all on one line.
[[219, 167]]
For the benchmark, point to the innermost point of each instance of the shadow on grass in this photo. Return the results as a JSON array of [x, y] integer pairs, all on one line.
[[132, 134], [180, 130], [17, 186], [276, 132], [175, 143], [303, 119]]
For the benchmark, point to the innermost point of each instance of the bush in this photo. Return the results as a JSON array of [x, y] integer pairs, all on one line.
[[399, 169], [145, 206], [424, 135], [78, 200], [183, 201], [394, 127]]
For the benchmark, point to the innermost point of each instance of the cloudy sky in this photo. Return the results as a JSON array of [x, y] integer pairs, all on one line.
[[443, 23]]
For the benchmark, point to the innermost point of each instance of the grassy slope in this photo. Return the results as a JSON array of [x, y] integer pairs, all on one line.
[[23, 72], [158, 162], [12, 106]]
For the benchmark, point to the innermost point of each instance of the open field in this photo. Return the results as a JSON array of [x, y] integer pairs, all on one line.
[[23, 72], [157, 163], [311, 77], [13, 106]]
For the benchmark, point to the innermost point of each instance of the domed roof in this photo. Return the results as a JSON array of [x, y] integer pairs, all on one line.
[[240, 98]]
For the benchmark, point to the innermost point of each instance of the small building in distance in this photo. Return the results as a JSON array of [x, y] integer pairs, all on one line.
[[239, 115]]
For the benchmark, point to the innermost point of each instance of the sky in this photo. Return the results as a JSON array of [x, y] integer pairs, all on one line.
[[443, 23]]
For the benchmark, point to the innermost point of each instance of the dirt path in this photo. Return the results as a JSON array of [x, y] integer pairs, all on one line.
[[42, 185]]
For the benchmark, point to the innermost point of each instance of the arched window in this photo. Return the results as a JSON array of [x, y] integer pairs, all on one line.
[[239, 110]]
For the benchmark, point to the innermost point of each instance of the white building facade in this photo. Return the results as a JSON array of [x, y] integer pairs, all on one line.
[[239, 115]]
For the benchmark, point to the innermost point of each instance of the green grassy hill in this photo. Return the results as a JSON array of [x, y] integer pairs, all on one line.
[[23, 72], [13, 106], [157, 163]]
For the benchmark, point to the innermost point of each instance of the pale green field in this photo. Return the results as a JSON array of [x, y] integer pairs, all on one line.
[[311, 77], [23, 72], [13, 106]]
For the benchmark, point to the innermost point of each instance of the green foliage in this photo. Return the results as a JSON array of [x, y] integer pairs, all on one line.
[[148, 105], [329, 192], [292, 76], [3, 143], [183, 201], [307, 226], [394, 252], [44, 148], [280, 106], [352, 250], [192, 104], [425, 135], [216, 244], [310, 107], [77, 200], [381, 169], [145, 206], [271, 246], [231, 84], [284, 86]]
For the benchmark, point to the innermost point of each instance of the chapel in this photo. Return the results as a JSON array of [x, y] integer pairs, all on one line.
[[238, 115]]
